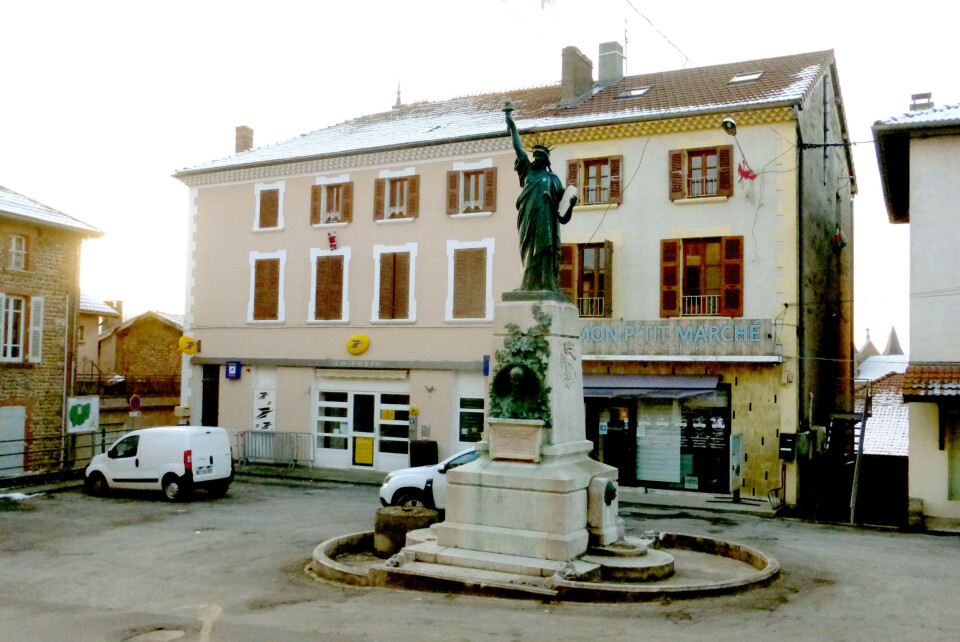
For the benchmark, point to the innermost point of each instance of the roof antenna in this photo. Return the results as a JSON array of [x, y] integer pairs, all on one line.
[[399, 104], [626, 57]]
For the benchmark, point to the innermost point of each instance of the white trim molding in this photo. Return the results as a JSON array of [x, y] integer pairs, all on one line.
[[316, 253], [281, 307], [398, 173], [378, 250], [489, 244], [259, 187]]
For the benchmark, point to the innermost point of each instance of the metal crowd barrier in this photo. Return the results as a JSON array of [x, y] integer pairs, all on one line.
[[269, 447]]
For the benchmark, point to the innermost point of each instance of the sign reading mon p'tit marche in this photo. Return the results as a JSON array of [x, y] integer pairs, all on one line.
[[689, 336], [83, 414]]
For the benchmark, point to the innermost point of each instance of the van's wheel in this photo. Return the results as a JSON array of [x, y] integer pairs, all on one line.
[[409, 498], [173, 488], [96, 484]]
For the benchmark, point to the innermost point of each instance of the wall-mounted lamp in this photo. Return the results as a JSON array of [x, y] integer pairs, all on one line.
[[730, 126]]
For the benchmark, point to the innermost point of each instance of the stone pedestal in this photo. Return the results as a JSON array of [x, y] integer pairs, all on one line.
[[527, 495]]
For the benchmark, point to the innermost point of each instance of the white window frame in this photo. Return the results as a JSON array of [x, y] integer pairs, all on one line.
[[281, 186], [379, 250], [18, 255], [316, 253], [389, 175], [462, 168], [281, 307], [489, 244], [9, 343], [326, 181]]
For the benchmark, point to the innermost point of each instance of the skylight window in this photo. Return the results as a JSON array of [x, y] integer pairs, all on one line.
[[746, 77], [634, 93]]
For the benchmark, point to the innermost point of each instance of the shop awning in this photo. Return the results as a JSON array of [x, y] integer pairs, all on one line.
[[660, 386]]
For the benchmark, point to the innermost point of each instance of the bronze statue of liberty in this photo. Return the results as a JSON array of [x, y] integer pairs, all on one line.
[[538, 215]]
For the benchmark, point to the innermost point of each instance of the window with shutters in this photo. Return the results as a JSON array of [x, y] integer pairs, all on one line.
[[328, 298], [701, 277], [472, 188], [599, 179], [586, 277], [394, 281], [396, 196], [470, 282], [21, 328], [269, 206], [331, 201], [701, 173], [266, 287]]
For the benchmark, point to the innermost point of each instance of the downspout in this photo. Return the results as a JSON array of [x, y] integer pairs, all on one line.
[[66, 381], [801, 380]]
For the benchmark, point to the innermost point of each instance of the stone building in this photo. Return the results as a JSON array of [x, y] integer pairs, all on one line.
[[39, 299], [345, 279], [90, 319], [145, 345]]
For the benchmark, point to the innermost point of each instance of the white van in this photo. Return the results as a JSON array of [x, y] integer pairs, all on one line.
[[172, 459]]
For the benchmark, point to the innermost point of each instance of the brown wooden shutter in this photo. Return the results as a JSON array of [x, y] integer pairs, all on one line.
[[568, 271], [453, 192], [731, 257], [413, 196], [607, 279], [670, 278], [676, 174], [386, 285], [573, 176], [266, 290], [490, 190], [316, 216], [616, 169], [329, 293], [725, 170], [379, 192], [470, 283], [346, 202], [401, 285], [269, 208]]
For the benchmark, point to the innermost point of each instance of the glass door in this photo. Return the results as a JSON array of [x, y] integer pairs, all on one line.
[[362, 430]]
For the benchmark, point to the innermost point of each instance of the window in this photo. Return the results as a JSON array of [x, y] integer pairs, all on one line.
[[471, 419], [745, 77], [331, 201], [21, 328], [599, 179], [696, 173], [18, 252], [394, 283], [472, 188], [396, 197], [470, 283], [126, 447], [328, 300], [701, 277], [633, 93], [266, 286], [269, 206], [586, 277]]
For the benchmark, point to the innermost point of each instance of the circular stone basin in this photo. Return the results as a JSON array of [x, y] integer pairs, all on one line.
[[703, 566]]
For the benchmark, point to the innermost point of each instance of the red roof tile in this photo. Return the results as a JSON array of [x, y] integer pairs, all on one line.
[[942, 380]]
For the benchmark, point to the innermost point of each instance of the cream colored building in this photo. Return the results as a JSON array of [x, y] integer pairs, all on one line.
[[398, 230], [918, 153]]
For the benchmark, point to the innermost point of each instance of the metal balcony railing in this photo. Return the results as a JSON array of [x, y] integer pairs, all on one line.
[[701, 187], [120, 385], [701, 306], [591, 306]]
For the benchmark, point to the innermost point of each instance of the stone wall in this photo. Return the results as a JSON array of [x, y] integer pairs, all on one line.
[[53, 273]]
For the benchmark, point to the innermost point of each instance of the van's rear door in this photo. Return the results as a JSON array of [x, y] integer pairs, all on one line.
[[211, 455]]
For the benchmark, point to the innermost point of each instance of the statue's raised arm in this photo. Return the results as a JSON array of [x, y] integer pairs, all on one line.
[[512, 128]]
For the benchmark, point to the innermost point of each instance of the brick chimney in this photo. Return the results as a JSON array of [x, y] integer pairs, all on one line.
[[610, 63], [244, 138], [576, 81]]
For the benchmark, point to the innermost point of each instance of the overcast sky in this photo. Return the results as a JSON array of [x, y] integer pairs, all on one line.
[[100, 102]]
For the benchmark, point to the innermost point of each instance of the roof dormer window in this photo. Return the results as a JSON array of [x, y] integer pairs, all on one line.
[[636, 92]]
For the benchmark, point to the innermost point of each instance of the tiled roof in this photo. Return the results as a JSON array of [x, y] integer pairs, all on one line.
[[92, 305], [935, 117], [175, 319], [879, 365], [785, 81], [888, 427], [19, 206], [929, 380]]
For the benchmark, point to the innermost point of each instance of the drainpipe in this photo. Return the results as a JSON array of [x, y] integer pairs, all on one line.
[[801, 380], [66, 380]]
